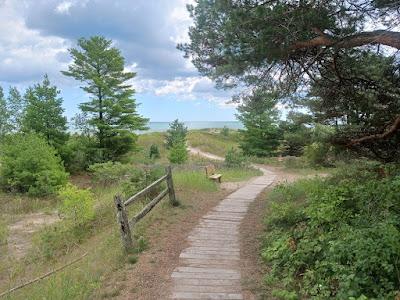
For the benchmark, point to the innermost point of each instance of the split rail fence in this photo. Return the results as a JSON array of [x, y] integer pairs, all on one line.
[[125, 224]]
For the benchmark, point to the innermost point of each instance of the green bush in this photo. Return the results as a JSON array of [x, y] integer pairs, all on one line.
[[337, 238], [138, 179], [225, 131], [178, 153], [29, 165], [79, 152], [110, 172], [316, 154], [234, 158], [77, 205], [154, 152]]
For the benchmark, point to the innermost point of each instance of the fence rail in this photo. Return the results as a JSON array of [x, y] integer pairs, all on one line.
[[125, 224]]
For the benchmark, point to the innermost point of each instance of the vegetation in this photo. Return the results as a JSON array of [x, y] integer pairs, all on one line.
[[154, 152], [175, 141], [213, 142], [29, 164], [336, 238], [176, 134], [178, 153], [260, 119], [234, 158], [313, 54], [112, 109], [76, 205], [44, 114]]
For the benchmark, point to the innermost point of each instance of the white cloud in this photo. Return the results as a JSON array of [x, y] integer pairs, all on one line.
[[63, 7], [25, 55]]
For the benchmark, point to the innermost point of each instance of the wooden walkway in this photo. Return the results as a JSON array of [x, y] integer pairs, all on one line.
[[210, 267]]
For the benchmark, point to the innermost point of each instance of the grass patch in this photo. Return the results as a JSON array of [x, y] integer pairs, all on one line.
[[213, 141], [238, 174]]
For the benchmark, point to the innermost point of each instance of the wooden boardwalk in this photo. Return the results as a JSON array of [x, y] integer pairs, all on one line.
[[210, 267]]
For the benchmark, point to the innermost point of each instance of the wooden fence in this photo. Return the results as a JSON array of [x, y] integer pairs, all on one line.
[[122, 215]]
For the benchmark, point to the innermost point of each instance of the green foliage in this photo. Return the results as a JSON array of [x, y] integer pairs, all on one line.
[[194, 180], [110, 172], [29, 165], [79, 152], [178, 153], [234, 158], [112, 109], [176, 134], [225, 131], [12, 109], [259, 117], [138, 179], [316, 154], [76, 204], [44, 113], [336, 238], [154, 152]]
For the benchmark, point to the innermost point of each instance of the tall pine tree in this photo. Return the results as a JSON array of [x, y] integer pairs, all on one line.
[[112, 107], [44, 113]]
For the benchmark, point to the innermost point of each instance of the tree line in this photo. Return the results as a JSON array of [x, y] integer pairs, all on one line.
[[33, 128]]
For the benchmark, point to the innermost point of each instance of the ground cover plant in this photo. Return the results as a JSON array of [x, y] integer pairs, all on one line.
[[335, 238]]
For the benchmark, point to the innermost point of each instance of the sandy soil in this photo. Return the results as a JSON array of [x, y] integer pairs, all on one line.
[[20, 232]]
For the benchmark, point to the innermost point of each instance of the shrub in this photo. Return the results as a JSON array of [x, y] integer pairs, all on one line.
[[76, 204], [316, 154], [234, 158], [336, 238], [138, 179], [178, 153], [110, 172], [154, 152], [29, 165], [79, 152], [225, 131]]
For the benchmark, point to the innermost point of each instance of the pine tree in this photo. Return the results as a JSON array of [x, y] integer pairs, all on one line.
[[259, 116], [112, 108], [44, 113]]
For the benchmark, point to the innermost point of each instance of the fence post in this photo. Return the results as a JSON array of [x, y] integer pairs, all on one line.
[[171, 190], [122, 219]]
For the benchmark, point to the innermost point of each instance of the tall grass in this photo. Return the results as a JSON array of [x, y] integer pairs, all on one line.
[[213, 142], [194, 180], [239, 174]]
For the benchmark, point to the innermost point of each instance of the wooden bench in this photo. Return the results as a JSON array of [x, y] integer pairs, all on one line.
[[210, 173]]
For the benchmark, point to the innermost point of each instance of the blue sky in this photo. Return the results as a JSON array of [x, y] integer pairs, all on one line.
[[35, 36]]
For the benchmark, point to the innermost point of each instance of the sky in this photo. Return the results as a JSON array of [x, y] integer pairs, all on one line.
[[35, 36]]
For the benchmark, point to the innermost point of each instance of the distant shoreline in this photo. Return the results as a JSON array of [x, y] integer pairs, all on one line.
[[163, 126]]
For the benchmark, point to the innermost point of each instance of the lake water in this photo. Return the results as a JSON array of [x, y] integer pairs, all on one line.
[[163, 126]]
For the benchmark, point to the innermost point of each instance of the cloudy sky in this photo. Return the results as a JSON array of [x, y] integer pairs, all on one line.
[[35, 36]]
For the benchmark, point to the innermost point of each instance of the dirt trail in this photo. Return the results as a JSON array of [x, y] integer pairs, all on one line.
[[197, 151]]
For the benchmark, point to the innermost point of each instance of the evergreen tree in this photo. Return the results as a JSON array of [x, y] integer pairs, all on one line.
[[44, 113], [259, 117], [176, 134], [112, 108]]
